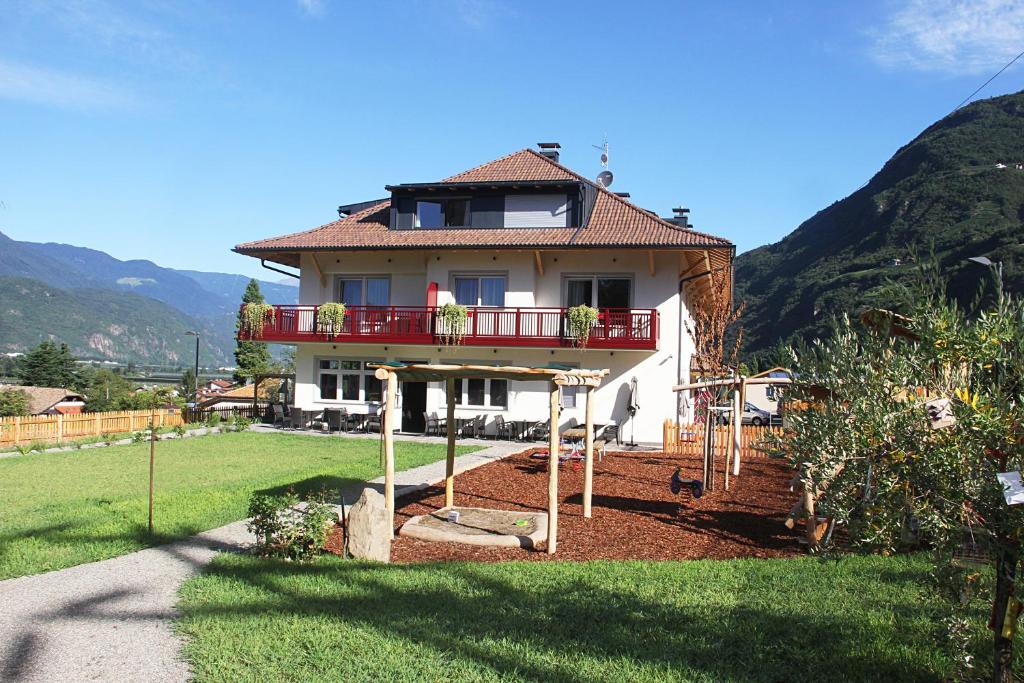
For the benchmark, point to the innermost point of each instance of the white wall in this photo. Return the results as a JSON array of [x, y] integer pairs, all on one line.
[[656, 371]]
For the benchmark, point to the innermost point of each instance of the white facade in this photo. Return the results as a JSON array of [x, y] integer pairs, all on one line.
[[410, 273]]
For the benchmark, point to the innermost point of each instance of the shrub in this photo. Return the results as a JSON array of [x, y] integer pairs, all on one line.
[[581, 319], [453, 323], [13, 402], [109, 438], [179, 430], [330, 318], [285, 527], [139, 437], [242, 423], [213, 420]]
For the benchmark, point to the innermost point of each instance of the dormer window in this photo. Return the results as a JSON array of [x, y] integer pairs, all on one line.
[[442, 213]]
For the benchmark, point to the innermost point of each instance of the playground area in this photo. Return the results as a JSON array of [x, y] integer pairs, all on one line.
[[635, 514]]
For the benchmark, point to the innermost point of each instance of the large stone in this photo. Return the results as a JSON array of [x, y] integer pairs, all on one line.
[[369, 528]]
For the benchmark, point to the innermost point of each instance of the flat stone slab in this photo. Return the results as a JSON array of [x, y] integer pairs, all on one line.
[[480, 526]]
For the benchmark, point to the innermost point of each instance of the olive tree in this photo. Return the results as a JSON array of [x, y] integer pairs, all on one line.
[[863, 441]]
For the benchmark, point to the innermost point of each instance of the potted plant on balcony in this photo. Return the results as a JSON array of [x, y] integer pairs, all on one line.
[[452, 319], [254, 317], [329, 318], [581, 319]]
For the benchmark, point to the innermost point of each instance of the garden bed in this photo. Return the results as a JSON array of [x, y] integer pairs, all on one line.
[[636, 516]]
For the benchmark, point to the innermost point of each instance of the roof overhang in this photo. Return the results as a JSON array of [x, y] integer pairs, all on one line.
[[490, 185]]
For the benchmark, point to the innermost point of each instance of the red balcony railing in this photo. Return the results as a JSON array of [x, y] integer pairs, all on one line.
[[616, 328]]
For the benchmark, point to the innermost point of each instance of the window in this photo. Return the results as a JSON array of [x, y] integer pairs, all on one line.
[[348, 380], [442, 213], [480, 290], [598, 291], [364, 291], [482, 393]]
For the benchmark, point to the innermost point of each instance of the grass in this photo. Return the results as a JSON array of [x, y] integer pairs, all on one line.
[[858, 619], [63, 509]]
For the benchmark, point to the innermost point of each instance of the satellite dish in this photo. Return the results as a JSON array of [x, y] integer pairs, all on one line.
[[605, 178]]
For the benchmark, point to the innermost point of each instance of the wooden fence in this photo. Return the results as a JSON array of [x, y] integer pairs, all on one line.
[[15, 430], [688, 439], [255, 413]]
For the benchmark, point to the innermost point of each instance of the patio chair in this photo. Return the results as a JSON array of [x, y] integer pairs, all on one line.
[[502, 429], [609, 432], [278, 411], [373, 420], [540, 430], [432, 423], [480, 426]]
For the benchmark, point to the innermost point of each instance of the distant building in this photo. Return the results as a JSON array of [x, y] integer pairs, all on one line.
[[240, 396], [49, 400]]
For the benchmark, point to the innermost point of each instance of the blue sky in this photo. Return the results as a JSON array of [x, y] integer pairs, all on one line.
[[174, 130]]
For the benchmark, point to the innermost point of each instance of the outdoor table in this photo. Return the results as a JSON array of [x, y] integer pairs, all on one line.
[[520, 427], [575, 433]]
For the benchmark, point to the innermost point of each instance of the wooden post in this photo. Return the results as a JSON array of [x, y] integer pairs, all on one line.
[[60, 428], [449, 464], [152, 458], [387, 424], [553, 473], [96, 425], [17, 429], [737, 409], [588, 468]]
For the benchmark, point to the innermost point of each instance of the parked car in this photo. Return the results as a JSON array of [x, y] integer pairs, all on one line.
[[752, 415], [758, 417]]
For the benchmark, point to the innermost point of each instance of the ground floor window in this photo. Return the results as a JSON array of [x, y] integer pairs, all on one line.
[[482, 393], [348, 380]]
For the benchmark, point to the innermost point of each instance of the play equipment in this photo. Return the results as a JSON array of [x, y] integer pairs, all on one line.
[[677, 484]]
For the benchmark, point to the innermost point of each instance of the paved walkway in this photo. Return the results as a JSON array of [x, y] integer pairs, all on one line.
[[112, 620]]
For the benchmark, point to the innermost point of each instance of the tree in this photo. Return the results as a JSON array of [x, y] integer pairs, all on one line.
[[187, 388], [867, 451], [106, 390], [251, 358], [49, 365], [13, 402]]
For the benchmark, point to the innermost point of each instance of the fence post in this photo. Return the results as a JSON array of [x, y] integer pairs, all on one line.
[[96, 425], [60, 428], [17, 430]]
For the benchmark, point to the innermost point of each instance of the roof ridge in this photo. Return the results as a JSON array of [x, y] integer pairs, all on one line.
[[486, 163]]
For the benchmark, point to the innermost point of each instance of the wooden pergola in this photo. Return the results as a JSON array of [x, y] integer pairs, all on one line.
[[558, 376]]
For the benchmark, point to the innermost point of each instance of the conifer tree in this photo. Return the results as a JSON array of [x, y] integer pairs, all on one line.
[[251, 357], [49, 365]]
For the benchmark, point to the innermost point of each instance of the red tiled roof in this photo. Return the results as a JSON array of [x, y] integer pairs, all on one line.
[[614, 222]]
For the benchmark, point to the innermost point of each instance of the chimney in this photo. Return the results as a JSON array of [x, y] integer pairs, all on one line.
[[549, 150], [680, 217]]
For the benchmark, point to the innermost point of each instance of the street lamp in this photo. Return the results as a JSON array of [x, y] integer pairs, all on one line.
[[195, 392]]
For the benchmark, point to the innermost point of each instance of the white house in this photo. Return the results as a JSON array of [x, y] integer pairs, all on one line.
[[518, 240]]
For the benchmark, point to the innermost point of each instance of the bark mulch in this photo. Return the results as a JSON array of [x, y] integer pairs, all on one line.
[[636, 516]]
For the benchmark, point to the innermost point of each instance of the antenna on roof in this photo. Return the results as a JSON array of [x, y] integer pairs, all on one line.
[[605, 177]]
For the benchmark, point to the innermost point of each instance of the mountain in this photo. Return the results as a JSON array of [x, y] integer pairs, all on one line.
[[193, 292], [53, 277], [102, 324], [233, 286], [945, 190]]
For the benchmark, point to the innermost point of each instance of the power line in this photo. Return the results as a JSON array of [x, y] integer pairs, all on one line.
[[982, 86]]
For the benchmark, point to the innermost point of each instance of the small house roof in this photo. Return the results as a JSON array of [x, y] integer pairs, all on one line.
[[41, 399]]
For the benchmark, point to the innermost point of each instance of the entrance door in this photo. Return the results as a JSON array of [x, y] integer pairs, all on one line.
[[414, 402]]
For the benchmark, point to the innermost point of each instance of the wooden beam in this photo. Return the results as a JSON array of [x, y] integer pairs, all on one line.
[[553, 473], [737, 408], [692, 269], [588, 469], [449, 464], [319, 271], [538, 262], [650, 262], [387, 425]]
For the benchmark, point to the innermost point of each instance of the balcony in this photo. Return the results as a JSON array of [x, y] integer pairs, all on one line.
[[616, 328]]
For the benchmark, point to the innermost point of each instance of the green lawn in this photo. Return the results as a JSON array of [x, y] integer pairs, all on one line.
[[63, 509], [866, 618]]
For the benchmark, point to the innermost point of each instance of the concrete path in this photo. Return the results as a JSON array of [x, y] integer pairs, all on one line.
[[112, 620]]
